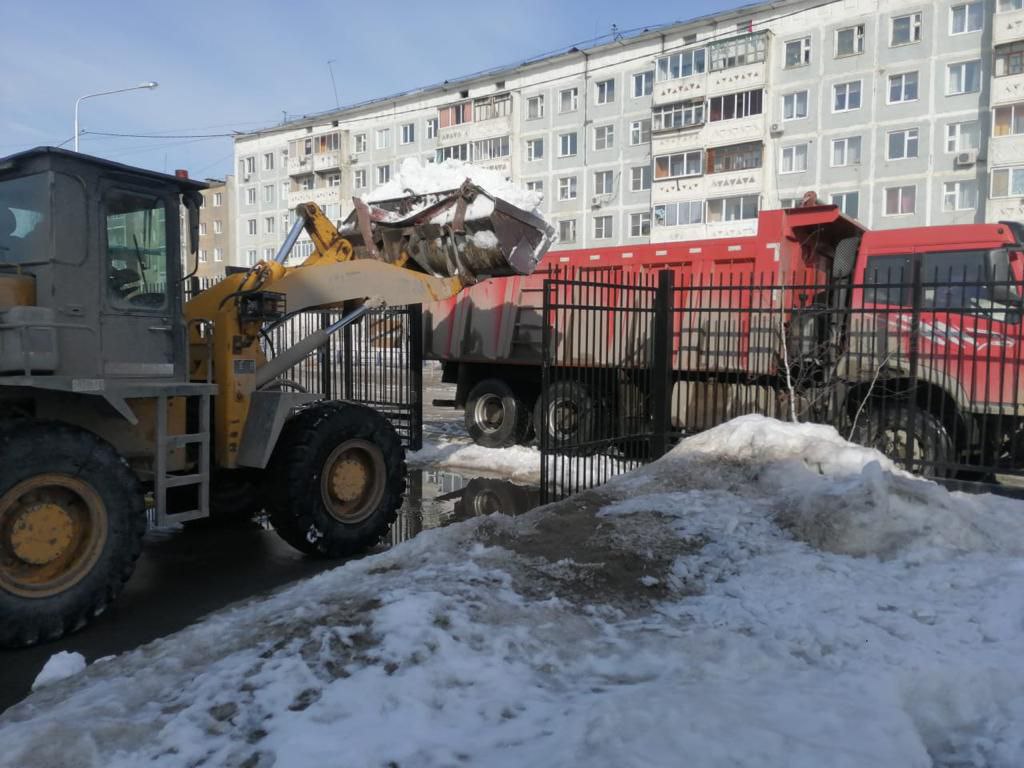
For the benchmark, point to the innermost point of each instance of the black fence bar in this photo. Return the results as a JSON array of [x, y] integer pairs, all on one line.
[[924, 364]]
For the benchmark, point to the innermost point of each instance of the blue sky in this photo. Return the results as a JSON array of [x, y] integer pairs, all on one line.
[[237, 66]]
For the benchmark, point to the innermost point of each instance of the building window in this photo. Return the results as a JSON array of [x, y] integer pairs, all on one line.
[[733, 208], [284, 223], [491, 149], [307, 182], [307, 146], [383, 174], [905, 29], [218, 199], [359, 142], [640, 178], [431, 124], [1005, 6], [734, 106], [1008, 120], [218, 227], [900, 201], [383, 138], [848, 202], [359, 178], [602, 227], [567, 188], [901, 145], [605, 92], [1009, 59], [640, 224], [456, 152], [536, 185], [643, 84], [684, 64], [739, 157], [491, 107], [202, 227], [268, 253], [252, 226], [966, 17], [567, 231], [846, 151], [738, 52], [268, 161], [535, 107], [249, 166], [334, 180], [794, 106], [408, 133], [1008, 182], [794, 159], [640, 132], [679, 214], [567, 145], [218, 254], [960, 196], [965, 136], [604, 137], [798, 53], [268, 225], [268, 193], [846, 96], [903, 87], [569, 100], [456, 114], [202, 255], [850, 41], [534, 149], [603, 183], [285, 187], [963, 77], [250, 257], [678, 165], [681, 115], [250, 196]]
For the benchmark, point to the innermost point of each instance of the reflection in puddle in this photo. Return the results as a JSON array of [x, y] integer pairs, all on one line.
[[436, 498]]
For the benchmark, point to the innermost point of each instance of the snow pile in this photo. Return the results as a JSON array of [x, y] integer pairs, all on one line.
[[417, 178], [60, 666], [682, 613]]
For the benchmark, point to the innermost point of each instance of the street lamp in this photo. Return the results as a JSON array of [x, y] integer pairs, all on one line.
[[148, 85]]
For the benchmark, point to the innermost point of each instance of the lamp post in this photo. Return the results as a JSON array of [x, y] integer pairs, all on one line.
[[147, 85]]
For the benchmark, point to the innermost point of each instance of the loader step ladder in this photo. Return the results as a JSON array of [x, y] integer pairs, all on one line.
[[162, 479]]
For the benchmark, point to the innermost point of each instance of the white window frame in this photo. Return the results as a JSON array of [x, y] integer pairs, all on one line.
[[841, 202], [604, 182], [268, 161], [744, 209], [1009, 6], [956, 189], [218, 199], [218, 227], [640, 178], [535, 185], [1015, 110], [1010, 171], [916, 25], [202, 255], [794, 95], [202, 228], [250, 257], [218, 254], [696, 58], [567, 224], [967, 17], [574, 100], [571, 137], [847, 86], [955, 133], [903, 87], [535, 107], [268, 193], [604, 91], [432, 127], [382, 138], [804, 53], [568, 188], [858, 41], [250, 195], [963, 76], [253, 227], [638, 222], [885, 200], [534, 150], [383, 174], [845, 142], [794, 155], [604, 227], [646, 82], [269, 225], [640, 132], [408, 133], [686, 157], [607, 137], [359, 178], [660, 213], [907, 140], [249, 164], [359, 142]]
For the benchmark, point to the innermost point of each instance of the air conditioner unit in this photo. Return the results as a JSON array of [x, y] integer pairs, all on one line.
[[970, 157], [353, 159], [597, 201], [776, 128]]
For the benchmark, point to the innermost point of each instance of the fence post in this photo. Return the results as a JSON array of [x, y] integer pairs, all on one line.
[[914, 347], [415, 313], [661, 365], [323, 359], [546, 494]]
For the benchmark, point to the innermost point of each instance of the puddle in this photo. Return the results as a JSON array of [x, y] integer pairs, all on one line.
[[436, 498]]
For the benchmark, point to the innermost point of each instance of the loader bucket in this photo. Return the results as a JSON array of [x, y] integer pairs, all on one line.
[[464, 232]]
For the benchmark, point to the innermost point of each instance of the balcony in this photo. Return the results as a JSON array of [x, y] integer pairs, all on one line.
[[1007, 89], [1005, 150], [735, 182], [679, 89], [327, 161], [1005, 209], [1007, 27], [321, 196], [736, 79], [733, 131]]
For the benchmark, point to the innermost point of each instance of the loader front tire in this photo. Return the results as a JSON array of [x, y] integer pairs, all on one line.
[[72, 518], [337, 479]]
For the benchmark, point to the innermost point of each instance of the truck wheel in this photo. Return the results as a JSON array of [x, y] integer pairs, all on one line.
[[72, 518], [573, 418], [888, 430], [495, 416], [338, 479]]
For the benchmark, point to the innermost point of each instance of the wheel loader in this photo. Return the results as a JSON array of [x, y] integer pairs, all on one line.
[[118, 397]]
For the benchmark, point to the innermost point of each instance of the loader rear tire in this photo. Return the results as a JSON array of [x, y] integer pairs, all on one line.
[[72, 518], [338, 479]]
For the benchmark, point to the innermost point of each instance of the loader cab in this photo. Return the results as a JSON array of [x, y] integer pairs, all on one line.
[[91, 265]]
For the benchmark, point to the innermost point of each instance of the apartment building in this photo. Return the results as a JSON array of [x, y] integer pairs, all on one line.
[[216, 228], [903, 112]]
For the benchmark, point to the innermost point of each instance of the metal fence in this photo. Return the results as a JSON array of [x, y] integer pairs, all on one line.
[[376, 361], [925, 367]]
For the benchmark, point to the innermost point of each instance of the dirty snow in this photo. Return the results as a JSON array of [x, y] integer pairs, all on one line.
[[60, 666], [765, 595]]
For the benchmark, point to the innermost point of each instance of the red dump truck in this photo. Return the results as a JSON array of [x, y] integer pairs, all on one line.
[[811, 309]]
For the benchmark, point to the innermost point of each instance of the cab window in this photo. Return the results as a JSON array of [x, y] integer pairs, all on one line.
[[136, 232], [24, 219], [954, 280], [887, 280]]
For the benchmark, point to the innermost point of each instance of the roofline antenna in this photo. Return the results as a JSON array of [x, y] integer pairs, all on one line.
[[334, 85]]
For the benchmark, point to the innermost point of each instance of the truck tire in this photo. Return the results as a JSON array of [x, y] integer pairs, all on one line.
[[72, 518], [495, 416], [574, 418], [887, 429], [338, 479]]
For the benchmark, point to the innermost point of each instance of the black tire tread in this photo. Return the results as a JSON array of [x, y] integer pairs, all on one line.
[[518, 428]]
